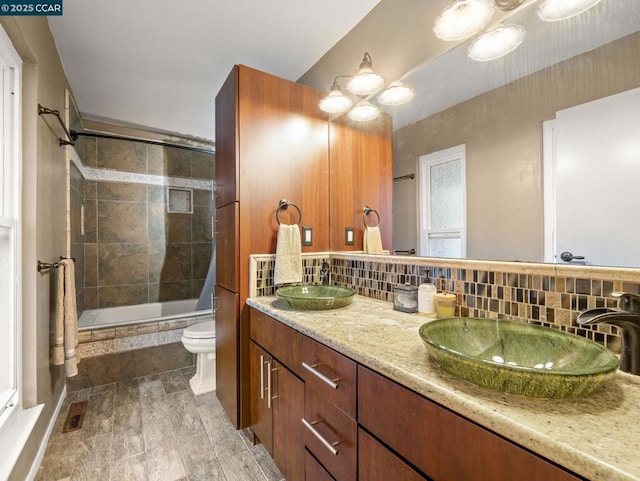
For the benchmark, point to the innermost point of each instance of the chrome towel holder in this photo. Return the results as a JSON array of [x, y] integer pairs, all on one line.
[[43, 266], [284, 205], [367, 210]]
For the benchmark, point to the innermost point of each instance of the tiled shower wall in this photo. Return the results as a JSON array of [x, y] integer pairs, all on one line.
[[544, 294], [134, 250]]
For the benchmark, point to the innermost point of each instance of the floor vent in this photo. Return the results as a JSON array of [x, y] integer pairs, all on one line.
[[75, 416]]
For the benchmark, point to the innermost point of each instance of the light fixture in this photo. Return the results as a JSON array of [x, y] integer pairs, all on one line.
[[336, 102], [463, 19], [396, 94], [496, 43], [555, 10], [363, 111], [366, 81]]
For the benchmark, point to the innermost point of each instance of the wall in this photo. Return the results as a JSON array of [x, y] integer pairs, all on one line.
[[503, 135], [134, 251], [43, 219]]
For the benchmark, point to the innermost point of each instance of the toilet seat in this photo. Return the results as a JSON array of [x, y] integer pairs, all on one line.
[[201, 330]]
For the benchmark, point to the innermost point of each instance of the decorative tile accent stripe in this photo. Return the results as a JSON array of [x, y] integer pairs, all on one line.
[[543, 294], [96, 342], [91, 173]]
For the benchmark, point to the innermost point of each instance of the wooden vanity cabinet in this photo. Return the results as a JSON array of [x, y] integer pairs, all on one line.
[[439, 442], [277, 395]]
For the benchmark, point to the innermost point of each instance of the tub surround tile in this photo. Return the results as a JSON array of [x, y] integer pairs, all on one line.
[[127, 295], [201, 258], [122, 156], [170, 291], [98, 348], [203, 165], [170, 263], [177, 162], [135, 342], [201, 229], [90, 221], [119, 222], [121, 191]]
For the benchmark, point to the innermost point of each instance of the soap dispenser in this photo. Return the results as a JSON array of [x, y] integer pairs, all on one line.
[[426, 305]]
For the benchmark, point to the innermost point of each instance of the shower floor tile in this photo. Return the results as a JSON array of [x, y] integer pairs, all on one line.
[[152, 429]]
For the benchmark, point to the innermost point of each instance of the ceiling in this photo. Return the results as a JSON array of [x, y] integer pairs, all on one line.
[[158, 65]]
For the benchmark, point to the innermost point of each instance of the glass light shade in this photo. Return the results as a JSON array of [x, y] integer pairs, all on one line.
[[336, 102], [365, 82], [395, 94], [555, 10], [496, 43], [364, 111], [463, 19]]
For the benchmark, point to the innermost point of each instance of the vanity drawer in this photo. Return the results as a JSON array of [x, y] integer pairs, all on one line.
[[330, 435], [442, 444], [281, 341], [331, 374], [314, 470], [377, 463]]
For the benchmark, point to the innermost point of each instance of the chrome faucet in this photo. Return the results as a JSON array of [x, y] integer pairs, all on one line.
[[324, 273], [627, 318]]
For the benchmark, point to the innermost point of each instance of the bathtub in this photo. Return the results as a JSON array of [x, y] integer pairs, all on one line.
[[138, 314]]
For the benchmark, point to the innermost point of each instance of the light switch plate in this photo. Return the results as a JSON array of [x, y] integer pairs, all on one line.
[[307, 236], [348, 236]]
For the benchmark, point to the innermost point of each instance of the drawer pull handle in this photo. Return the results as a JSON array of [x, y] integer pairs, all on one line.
[[261, 376], [318, 374], [269, 385], [326, 444]]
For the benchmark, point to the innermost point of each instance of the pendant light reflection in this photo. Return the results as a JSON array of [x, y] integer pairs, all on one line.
[[366, 81], [463, 19], [336, 102], [363, 111], [396, 94], [556, 10], [496, 43]]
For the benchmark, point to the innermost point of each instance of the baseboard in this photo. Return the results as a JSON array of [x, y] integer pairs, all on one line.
[[45, 440]]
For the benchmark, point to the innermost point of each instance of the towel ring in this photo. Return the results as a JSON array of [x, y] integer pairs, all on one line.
[[367, 210], [284, 205]]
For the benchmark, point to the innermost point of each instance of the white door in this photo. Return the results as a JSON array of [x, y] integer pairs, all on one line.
[[596, 172]]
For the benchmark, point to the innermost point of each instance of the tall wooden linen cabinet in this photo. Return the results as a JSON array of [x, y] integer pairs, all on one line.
[[272, 143]]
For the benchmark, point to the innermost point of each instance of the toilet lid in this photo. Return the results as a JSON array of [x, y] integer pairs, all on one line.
[[201, 330]]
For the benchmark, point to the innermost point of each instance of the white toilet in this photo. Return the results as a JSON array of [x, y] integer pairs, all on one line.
[[200, 339]]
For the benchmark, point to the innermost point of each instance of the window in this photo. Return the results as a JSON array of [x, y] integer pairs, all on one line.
[[9, 226], [442, 197]]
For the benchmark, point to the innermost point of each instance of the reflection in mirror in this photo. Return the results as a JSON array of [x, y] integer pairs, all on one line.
[[498, 110]]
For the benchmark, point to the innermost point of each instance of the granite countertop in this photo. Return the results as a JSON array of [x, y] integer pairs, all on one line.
[[596, 436]]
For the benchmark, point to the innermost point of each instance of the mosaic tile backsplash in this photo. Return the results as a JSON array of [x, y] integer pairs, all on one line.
[[542, 294]]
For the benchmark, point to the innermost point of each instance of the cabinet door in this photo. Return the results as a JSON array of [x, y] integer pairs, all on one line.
[[288, 435], [442, 444], [377, 463], [261, 389], [361, 174], [226, 182], [227, 332], [227, 245]]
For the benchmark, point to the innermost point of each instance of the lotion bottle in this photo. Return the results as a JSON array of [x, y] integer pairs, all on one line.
[[426, 305]]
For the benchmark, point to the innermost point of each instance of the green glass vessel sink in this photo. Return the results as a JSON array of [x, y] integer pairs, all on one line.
[[315, 297], [518, 358]]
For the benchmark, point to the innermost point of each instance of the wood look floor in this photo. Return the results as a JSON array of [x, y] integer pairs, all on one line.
[[152, 429]]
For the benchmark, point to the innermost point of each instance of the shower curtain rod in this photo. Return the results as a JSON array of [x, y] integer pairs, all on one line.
[[74, 135]]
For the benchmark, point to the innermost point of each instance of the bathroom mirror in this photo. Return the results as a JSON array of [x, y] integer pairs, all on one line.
[[498, 110]]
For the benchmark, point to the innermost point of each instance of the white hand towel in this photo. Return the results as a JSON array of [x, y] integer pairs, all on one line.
[[65, 336], [372, 243], [288, 268]]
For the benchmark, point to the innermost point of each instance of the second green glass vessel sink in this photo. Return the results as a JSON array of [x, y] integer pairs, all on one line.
[[518, 358], [315, 297]]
